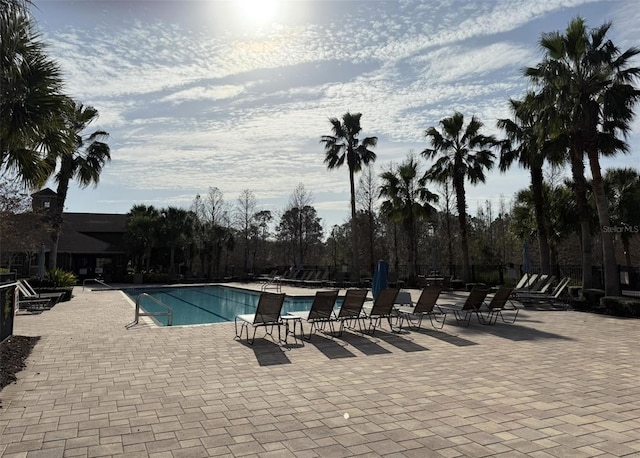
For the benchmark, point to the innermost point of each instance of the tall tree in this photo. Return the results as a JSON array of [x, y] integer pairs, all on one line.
[[623, 191], [299, 228], [524, 143], [343, 145], [176, 229], [141, 234], [22, 230], [367, 198], [589, 83], [408, 201], [460, 153], [216, 232], [244, 222], [31, 101], [262, 219], [82, 162]]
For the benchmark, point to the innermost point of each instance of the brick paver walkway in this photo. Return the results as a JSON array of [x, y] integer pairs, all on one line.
[[554, 384]]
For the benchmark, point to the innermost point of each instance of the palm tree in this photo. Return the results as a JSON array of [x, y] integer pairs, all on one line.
[[461, 154], [32, 104], [623, 191], [84, 163], [345, 144], [141, 234], [524, 143], [408, 202], [588, 81], [176, 229]]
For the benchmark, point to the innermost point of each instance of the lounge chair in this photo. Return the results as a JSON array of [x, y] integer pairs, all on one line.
[[382, 308], [541, 282], [554, 299], [321, 312], [267, 314], [30, 293], [500, 302], [523, 281], [351, 308], [30, 301], [33, 304], [426, 306], [541, 285], [526, 282], [533, 278], [317, 279], [471, 306]]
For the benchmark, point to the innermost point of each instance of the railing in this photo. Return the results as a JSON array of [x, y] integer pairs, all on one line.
[[84, 282], [168, 313], [274, 283], [7, 293]]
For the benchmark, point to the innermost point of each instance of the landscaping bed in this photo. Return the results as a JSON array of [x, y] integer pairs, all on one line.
[[13, 353]]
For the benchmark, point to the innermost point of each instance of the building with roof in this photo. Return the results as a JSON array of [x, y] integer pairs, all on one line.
[[91, 244]]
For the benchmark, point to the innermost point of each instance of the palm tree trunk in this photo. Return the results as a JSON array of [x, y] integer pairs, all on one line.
[[458, 184], [411, 234], [538, 203], [396, 255], [580, 190], [56, 223], [611, 277], [372, 262], [53, 252], [449, 241], [627, 253], [355, 258]]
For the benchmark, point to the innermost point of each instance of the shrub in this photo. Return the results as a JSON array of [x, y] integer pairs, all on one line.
[[60, 278], [592, 296], [621, 306]]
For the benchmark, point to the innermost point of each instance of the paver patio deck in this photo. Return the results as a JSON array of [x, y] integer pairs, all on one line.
[[554, 384]]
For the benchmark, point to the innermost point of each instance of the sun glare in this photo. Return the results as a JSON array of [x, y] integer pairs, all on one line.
[[259, 11]]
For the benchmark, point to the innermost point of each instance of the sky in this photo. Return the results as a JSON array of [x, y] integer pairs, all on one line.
[[236, 95]]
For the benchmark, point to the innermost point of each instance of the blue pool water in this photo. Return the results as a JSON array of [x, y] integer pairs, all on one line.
[[208, 304]]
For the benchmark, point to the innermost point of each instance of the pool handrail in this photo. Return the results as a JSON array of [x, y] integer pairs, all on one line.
[[168, 313], [273, 283], [84, 282]]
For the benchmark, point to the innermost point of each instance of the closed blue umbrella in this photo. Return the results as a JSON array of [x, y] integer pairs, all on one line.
[[379, 281]]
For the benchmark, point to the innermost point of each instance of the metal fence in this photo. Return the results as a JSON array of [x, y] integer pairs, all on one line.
[[501, 274], [7, 310]]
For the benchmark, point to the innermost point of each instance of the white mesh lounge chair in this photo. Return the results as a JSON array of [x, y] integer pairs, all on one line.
[[555, 299], [426, 306], [27, 290], [267, 315], [30, 301]]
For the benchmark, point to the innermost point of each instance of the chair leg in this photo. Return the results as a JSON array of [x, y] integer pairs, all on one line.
[[434, 319], [466, 320], [514, 317]]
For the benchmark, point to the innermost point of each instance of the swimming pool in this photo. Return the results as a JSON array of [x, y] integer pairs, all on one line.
[[208, 304]]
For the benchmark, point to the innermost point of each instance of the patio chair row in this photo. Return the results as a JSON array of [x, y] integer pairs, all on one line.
[[32, 301], [390, 305]]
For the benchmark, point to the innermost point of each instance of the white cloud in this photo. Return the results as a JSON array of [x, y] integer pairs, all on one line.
[[189, 108]]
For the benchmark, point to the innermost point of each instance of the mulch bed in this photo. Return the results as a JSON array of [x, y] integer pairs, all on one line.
[[13, 352]]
